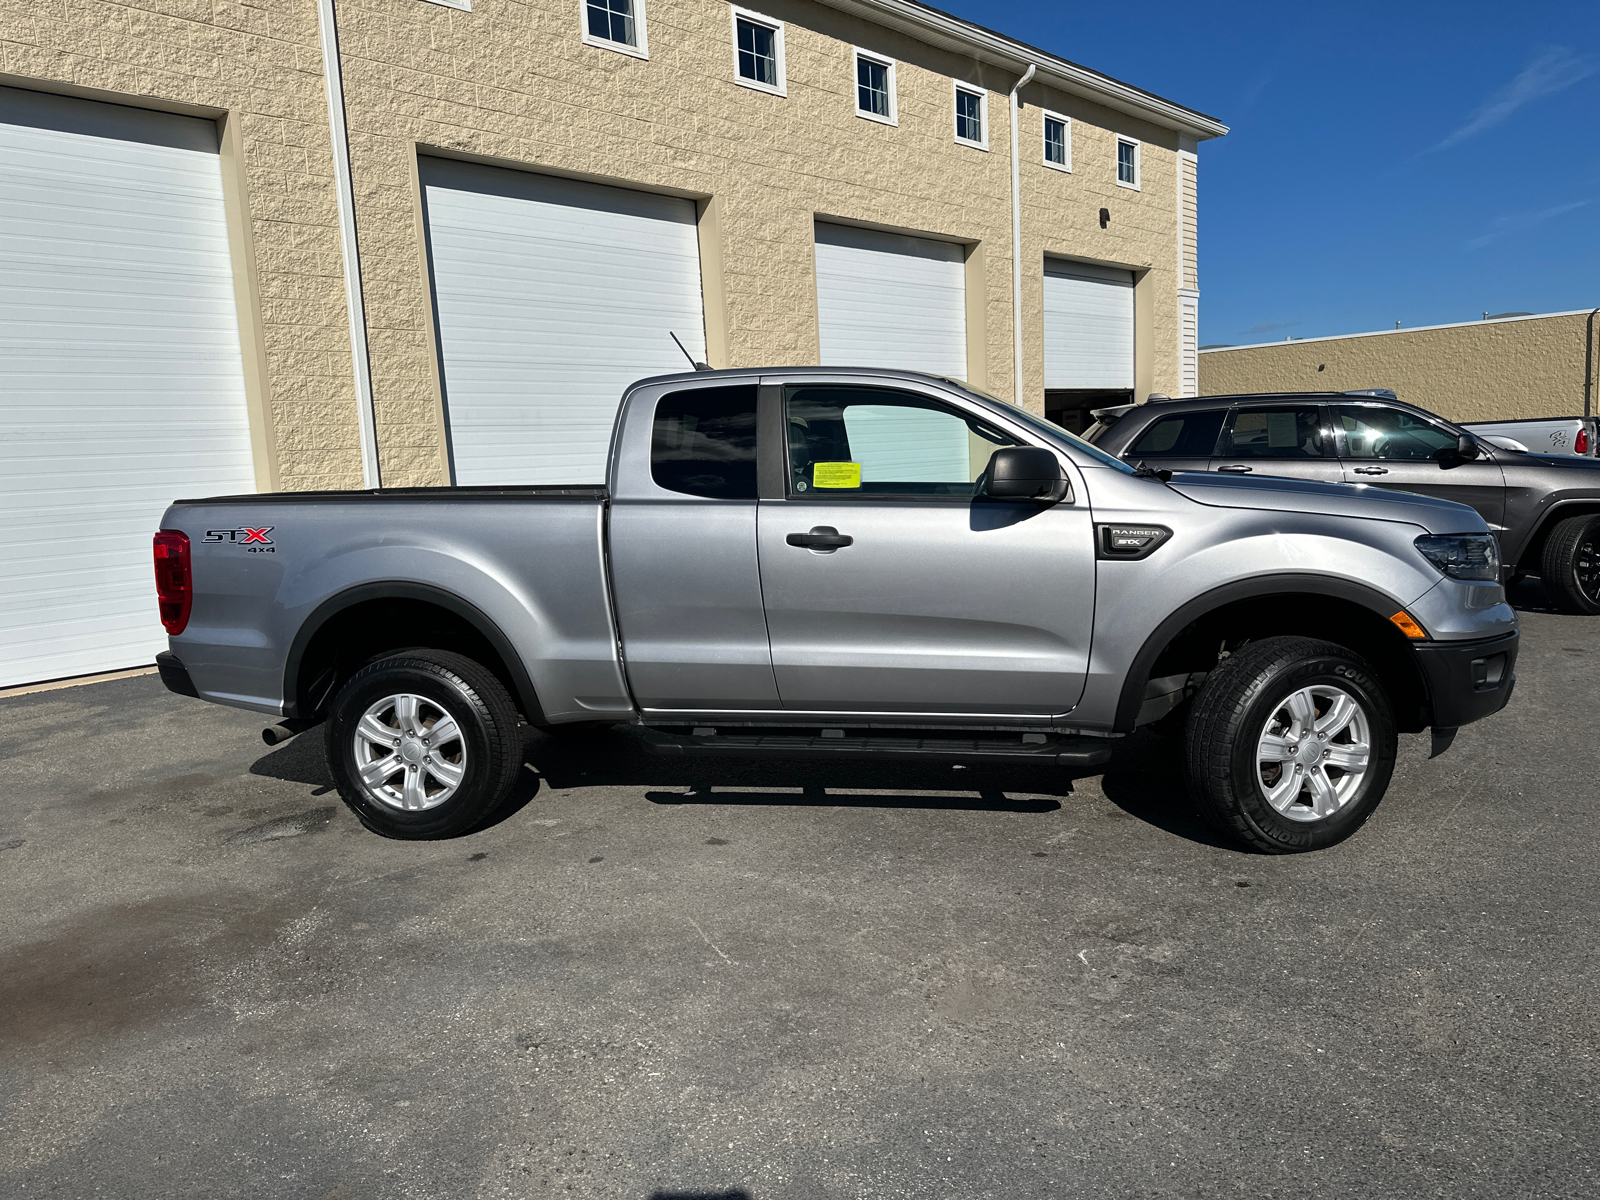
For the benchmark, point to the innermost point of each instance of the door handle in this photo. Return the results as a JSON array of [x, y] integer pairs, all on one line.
[[1237, 469], [1371, 471], [825, 539]]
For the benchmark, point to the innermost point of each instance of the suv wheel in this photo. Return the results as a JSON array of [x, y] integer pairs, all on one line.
[[423, 744], [1290, 745], [1570, 565]]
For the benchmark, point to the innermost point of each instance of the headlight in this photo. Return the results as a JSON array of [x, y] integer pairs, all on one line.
[[1463, 555]]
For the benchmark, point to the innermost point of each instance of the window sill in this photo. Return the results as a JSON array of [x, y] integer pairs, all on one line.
[[1132, 187], [641, 52], [881, 120], [1064, 168], [762, 87], [972, 145]]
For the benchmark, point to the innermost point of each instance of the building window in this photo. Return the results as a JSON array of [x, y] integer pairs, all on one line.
[[875, 88], [1127, 162], [1057, 141], [758, 52], [970, 128], [616, 25]]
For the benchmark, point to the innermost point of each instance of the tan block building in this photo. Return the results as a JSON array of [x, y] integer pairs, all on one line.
[[1499, 369], [280, 245]]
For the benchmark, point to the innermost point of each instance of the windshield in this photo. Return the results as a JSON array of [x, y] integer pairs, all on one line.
[[1050, 429]]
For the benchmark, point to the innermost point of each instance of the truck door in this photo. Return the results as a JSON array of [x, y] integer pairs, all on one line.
[[891, 588], [1395, 448], [682, 546]]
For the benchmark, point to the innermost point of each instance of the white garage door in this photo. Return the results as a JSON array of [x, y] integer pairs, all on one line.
[[551, 297], [889, 300], [121, 387], [1088, 326]]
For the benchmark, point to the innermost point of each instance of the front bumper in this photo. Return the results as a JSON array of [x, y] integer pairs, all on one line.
[[1467, 681]]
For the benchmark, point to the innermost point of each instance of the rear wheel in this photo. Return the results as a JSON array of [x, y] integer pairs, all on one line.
[[423, 744], [1570, 565], [1290, 744]]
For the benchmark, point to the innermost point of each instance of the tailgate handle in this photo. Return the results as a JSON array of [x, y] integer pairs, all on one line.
[[1236, 469], [1372, 470], [824, 538]]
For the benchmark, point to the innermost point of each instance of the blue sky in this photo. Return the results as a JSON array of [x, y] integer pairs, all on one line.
[[1412, 162]]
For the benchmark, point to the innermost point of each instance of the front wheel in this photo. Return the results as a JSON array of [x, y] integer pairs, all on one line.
[[423, 744], [1570, 565], [1290, 744]]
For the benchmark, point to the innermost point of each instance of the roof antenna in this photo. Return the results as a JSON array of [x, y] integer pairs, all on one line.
[[698, 366]]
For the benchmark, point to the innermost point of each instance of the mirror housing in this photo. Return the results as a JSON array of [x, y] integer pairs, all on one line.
[[1465, 450], [1025, 473]]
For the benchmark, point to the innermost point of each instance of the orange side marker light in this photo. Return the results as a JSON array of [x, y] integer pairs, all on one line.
[[1407, 625]]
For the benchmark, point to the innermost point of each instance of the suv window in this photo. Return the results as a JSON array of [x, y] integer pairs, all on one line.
[[1184, 435], [1293, 431], [1373, 431], [703, 443], [862, 441]]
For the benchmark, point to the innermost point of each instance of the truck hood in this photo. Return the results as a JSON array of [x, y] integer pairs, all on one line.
[[1334, 499]]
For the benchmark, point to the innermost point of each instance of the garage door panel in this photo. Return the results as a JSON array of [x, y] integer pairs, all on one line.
[[552, 296], [123, 386], [1088, 327], [890, 300]]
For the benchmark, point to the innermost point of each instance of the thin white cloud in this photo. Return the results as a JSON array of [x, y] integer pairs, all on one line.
[[1555, 70], [1520, 223]]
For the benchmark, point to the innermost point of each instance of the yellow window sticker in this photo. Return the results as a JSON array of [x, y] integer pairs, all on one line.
[[836, 475]]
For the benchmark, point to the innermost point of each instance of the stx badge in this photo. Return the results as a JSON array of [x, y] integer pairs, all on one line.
[[243, 537]]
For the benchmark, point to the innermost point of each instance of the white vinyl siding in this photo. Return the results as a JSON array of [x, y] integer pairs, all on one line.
[[1088, 326], [551, 297], [1188, 344], [891, 300], [122, 387]]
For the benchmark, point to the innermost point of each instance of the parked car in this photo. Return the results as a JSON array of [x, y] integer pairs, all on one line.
[[1545, 509], [1541, 435], [826, 563]]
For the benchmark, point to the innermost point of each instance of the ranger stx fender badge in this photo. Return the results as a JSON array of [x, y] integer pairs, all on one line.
[[1129, 541]]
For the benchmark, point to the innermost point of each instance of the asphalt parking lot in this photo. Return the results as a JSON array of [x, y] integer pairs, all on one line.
[[668, 979]]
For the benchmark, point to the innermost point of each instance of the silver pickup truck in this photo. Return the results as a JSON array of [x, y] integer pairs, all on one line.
[[824, 562]]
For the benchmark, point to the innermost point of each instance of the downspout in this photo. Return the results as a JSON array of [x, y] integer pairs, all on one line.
[[355, 305], [1588, 365], [1016, 243]]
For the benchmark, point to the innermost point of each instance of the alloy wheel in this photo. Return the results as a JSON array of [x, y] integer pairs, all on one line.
[[410, 754], [1313, 752]]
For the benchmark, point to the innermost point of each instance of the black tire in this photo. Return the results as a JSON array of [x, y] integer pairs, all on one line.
[[1230, 715], [1570, 565], [489, 747]]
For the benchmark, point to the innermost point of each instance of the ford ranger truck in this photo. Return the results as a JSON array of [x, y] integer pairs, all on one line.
[[847, 563]]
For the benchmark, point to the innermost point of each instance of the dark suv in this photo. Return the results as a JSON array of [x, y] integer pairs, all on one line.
[[1544, 508]]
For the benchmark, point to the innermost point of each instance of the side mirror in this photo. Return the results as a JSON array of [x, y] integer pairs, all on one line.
[[1467, 447], [1025, 473]]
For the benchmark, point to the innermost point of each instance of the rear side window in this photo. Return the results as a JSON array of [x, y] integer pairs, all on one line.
[[704, 443], [1185, 435], [1289, 432]]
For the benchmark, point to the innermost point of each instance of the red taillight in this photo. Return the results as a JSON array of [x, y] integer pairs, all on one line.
[[1581, 445], [174, 582]]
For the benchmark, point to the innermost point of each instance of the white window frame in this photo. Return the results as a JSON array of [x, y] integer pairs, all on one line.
[[857, 54], [642, 50], [983, 112], [755, 18], [1124, 140], [1066, 141]]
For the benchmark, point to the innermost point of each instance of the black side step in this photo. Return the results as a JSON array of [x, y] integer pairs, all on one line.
[[1043, 749]]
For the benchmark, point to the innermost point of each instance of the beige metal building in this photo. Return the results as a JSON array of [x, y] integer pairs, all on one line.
[[273, 245], [1497, 369]]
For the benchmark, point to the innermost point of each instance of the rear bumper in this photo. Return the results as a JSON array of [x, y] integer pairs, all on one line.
[[175, 675], [1468, 681]]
